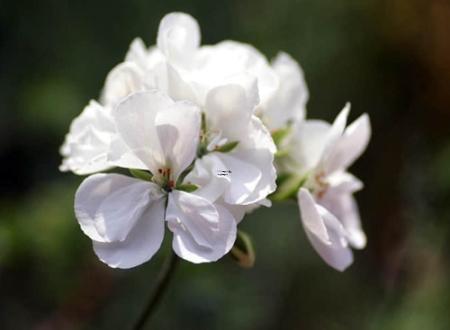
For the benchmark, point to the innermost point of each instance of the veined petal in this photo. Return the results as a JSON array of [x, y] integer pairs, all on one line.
[[120, 155], [178, 129], [135, 122], [194, 214], [325, 232], [351, 145], [178, 36], [186, 244], [142, 242], [107, 206]]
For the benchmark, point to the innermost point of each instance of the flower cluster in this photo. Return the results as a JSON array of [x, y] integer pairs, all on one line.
[[208, 133]]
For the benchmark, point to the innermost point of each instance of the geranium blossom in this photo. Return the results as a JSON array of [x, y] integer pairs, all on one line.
[[199, 120], [321, 154], [125, 216]]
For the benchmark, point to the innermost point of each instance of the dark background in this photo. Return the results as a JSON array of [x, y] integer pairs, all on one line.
[[390, 58]]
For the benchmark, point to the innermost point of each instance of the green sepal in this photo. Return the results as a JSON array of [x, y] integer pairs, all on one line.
[[289, 187], [187, 187], [281, 153], [280, 134], [141, 174], [243, 252], [227, 147]]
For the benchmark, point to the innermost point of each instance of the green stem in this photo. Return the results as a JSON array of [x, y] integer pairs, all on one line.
[[161, 286]]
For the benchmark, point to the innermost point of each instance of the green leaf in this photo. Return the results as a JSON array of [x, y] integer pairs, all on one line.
[[141, 174], [187, 187], [289, 187], [242, 251], [227, 147]]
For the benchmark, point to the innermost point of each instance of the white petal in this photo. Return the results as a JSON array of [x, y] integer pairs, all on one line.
[[107, 206], [178, 129], [123, 80], [142, 242], [188, 212], [344, 182], [311, 217], [344, 207], [197, 238], [137, 53], [87, 143], [244, 178], [257, 161], [325, 232], [351, 145], [334, 136], [135, 122], [228, 110], [289, 101], [228, 59], [178, 36], [307, 145], [121, 155], [179, 88], [209, 173]]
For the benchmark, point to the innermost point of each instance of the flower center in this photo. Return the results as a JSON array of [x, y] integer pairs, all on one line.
[[165, 179], [321, 184]]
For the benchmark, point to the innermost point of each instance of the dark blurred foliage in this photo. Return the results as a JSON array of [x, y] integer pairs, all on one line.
[[390, 58]]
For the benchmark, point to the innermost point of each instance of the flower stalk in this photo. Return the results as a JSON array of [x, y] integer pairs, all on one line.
[[162, 283]]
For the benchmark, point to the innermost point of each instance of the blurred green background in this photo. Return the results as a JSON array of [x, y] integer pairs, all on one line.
[[390, 58]]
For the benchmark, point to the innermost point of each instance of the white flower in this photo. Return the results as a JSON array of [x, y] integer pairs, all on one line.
[[329, 213], [203, 68], [125, 216], [226, 81], [88, 142]]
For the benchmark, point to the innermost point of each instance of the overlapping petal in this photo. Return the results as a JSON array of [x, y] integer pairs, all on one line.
[[160, 132], [141, 243], [108, 205], [203, 232], [325, 232]]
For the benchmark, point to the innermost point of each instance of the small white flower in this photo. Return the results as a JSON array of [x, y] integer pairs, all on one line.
[[329, 213], [125, 216]]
